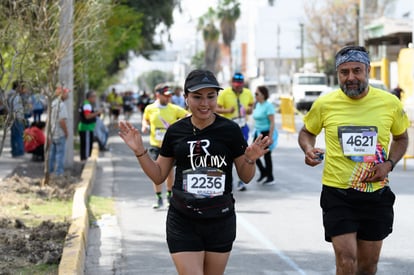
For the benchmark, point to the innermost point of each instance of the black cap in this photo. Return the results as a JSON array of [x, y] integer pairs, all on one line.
[[164, 90], [199, 79]]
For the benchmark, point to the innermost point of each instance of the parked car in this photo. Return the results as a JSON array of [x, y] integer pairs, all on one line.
[[307, 87]]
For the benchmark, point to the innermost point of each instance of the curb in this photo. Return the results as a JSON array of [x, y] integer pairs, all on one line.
[[74, 249]]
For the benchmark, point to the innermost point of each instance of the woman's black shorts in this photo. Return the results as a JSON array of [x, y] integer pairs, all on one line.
[[369, 214], [188, 234]]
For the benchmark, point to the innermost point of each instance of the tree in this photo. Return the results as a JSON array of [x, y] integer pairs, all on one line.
[[34, 49], [150, 79], [197, 61], [130, 26], [138, 34], [228, 13], [206, 23], [332, 25]]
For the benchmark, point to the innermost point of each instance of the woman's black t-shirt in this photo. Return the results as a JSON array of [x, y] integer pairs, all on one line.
[[215, 146]]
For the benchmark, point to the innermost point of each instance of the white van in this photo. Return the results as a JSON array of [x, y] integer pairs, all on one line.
[[307, 87]]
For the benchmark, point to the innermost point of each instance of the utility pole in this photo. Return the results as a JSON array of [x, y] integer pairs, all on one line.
[[302, 44], [278, 64], [360, 24], [66, 69]]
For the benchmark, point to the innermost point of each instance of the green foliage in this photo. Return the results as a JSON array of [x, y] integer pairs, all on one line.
[[206, 24], [150, 79], [197, 61], [117, 30], [104, 33], [155, 13], [130, 26], [39, 269], [228, 13]]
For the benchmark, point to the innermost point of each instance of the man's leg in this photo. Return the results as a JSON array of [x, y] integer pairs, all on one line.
[[368, 256], [60, 156], [345, 247], [82, 137]]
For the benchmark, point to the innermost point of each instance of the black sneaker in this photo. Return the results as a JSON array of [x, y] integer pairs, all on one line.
[[269, 182], [168, 198], [261, 178], [158, 204]]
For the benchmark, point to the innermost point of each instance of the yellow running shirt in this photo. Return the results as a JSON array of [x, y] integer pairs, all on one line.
[[357, 135], [228, 99], [160, 118]]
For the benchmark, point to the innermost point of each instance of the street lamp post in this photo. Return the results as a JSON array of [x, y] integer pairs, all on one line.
[[302, 42]]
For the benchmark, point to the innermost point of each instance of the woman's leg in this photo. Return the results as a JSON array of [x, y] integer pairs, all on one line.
[[262, 170], [215, 263], [269, 165], [189, 263], [202, 263]]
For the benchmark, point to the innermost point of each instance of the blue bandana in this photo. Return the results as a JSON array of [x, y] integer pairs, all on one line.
[[353, 56]]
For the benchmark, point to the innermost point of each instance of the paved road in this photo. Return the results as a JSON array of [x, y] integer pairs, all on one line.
[[279, 227]]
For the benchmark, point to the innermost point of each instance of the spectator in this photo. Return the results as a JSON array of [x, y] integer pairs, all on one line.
[[397, 91], [58, 122], [101, 134], [27, 104], [38, 106], [14, 100], [87, 125], [34, 140], [178, 97]]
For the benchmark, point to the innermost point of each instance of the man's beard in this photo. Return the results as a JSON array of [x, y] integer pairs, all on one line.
[[362, 85]]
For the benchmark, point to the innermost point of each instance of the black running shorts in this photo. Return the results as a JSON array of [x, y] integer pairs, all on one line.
[[369, 214], [187, 234]]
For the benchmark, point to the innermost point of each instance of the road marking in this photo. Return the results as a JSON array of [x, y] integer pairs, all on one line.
[[267, 243]]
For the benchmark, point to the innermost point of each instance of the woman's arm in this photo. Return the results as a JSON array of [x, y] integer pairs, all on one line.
[[246, 163]]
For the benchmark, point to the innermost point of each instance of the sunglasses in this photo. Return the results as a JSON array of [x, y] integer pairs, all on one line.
[[238, 77], [258, 94], [163, 90]]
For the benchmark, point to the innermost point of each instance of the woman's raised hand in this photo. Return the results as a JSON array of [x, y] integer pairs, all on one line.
[[131, 136]]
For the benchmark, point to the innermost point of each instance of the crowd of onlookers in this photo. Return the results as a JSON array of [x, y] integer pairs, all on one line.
[[27, 110], [27, 130]]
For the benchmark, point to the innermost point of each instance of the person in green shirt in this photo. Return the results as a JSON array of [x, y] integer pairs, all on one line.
[[87, 124]]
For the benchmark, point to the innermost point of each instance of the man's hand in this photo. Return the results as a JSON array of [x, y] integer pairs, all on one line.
[[312, 157], [379, 172]]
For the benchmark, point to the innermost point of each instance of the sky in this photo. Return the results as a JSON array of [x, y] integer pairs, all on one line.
[[289, 14]]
